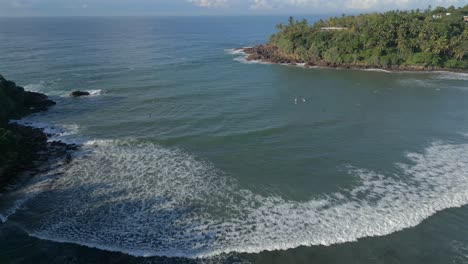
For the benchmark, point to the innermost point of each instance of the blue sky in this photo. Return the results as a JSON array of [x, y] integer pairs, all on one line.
[[206, 7]]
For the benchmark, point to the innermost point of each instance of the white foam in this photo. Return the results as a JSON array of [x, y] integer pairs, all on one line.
[[95, 92], [443, 75], [240, 56], [145, 200], [244, 60], [377, 70], [38, 87], [235, 51]]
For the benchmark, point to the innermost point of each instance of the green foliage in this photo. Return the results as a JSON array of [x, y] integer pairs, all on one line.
[[428, 38], [424, 59], [456, 64], [333, 55], [286, 45]]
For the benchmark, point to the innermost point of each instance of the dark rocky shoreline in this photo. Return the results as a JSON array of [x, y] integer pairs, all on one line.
[[40, 157], [25, 150], [271, 54]]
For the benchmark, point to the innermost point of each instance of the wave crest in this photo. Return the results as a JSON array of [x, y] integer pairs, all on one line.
[[146, 200]]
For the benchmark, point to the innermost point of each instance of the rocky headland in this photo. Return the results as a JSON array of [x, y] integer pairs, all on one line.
[[25, 150], [398, 40], [272, 54]]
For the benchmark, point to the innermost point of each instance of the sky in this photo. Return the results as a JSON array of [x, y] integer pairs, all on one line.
[[207, 7]]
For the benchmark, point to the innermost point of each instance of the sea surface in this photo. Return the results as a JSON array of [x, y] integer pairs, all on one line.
[[192, 155]]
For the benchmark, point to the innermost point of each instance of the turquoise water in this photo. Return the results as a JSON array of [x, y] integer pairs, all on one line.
[[191, 152]]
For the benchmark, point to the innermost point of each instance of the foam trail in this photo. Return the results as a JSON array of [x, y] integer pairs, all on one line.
[[451, 75], [241, 56], [145, 200], [378, 70], [235, 51], [95, 92], [244, 60]]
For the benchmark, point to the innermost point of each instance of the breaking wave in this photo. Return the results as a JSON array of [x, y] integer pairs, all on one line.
[[240, 56], [235, 51], [38, 87], [145, 200], [95, 92]]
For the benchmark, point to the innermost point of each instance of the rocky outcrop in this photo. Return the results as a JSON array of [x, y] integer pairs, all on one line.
[[30, 153], [79, 93], [268, 53], [15, 102], [23, 148], [36, 102]]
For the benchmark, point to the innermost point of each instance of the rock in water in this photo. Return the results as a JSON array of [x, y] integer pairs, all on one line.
[[79, 93]]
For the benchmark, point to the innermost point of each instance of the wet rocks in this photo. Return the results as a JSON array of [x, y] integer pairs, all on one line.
[[268, 53], [34, 154], [37, 101]]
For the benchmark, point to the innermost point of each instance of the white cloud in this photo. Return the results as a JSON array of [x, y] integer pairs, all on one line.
[[210, 3], [303, 5], [375, 4], [260, 4]]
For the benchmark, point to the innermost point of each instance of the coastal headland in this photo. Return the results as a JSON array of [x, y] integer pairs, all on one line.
[[25, 150], [428, 40]]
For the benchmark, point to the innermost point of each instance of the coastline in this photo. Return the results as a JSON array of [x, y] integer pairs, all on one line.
[[271, 55], [26, 151]]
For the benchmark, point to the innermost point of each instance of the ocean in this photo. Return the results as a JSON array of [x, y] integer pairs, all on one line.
[[191, 154]]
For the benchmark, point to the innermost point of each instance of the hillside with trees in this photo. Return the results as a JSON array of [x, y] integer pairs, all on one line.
[[416, 39]]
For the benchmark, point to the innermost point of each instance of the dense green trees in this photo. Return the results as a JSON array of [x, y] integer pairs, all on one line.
[[409, 38]]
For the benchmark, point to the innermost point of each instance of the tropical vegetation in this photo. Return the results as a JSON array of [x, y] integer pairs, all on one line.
[[424, 38]]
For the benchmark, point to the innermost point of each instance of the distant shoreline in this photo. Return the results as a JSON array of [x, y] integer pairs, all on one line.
[[269, 54]]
